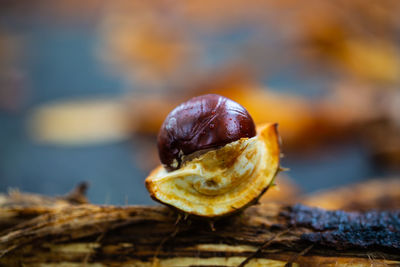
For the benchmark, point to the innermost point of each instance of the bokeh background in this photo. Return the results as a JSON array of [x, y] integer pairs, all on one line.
[[85, 86]]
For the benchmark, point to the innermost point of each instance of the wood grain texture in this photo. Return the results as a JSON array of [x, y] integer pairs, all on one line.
[[265, 235]]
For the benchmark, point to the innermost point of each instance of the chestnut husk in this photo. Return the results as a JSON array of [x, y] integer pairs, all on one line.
[[166, 187]]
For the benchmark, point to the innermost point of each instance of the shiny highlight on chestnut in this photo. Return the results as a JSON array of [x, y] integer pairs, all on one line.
[[201, 123]]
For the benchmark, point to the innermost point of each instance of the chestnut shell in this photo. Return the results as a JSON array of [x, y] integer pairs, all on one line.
[[203, 122]]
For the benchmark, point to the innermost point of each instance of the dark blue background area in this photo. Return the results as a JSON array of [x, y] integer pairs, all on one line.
[[61, 64]]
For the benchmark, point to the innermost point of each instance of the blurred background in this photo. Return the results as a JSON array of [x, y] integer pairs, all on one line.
[[85, 86]]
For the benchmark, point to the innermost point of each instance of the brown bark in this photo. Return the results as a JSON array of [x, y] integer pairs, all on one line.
[[267, 234], [17, 207]]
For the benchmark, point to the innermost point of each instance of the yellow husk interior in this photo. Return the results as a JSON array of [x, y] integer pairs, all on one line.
[[220, 181]]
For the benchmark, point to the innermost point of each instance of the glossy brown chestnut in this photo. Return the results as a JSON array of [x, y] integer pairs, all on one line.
[[203, 122]]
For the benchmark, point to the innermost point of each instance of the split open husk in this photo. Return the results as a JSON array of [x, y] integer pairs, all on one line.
[[221, 181]]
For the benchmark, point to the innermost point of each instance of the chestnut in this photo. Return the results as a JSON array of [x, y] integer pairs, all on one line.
[[201, 123]]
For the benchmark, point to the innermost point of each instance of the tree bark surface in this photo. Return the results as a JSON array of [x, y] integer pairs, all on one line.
[[64, 231]]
